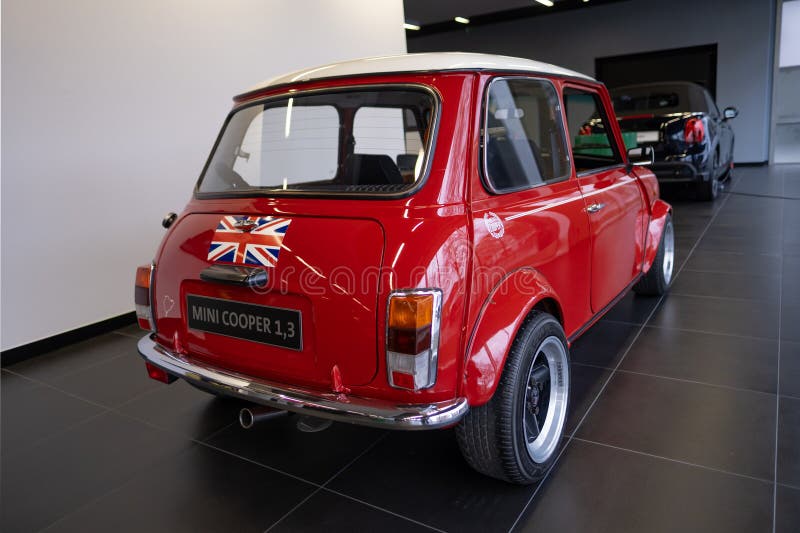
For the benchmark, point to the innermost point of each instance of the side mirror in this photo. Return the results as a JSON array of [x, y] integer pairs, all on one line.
[[730, 112], [641, 156]]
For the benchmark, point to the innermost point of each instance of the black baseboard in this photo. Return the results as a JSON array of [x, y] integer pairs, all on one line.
[[753, 164], [27, 351]]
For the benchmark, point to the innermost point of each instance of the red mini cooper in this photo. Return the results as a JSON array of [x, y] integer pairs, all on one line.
[[408, 242]]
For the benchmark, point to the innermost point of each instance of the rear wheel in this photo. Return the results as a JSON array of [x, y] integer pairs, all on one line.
[[658, 278], [709, 190], [515, 436]]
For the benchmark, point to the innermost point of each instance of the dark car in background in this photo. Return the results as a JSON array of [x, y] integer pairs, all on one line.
[[692, 141]]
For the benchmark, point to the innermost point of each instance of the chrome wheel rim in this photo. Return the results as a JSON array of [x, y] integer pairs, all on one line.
[[669, 252], [546, 394]]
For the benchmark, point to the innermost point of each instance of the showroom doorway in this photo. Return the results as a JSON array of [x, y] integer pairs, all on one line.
[[785, 104], [695, 63]]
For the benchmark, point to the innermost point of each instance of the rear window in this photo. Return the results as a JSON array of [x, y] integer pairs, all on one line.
[[646, 102], [661, 99], [355, 141]]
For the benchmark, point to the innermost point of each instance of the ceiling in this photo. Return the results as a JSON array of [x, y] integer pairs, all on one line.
[[436, 16], [425, 12]]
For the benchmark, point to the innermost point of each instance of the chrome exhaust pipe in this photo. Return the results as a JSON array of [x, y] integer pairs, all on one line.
[[248, 416]]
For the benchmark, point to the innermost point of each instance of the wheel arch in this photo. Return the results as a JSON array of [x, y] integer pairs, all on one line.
[[658, 219], [493, 333]]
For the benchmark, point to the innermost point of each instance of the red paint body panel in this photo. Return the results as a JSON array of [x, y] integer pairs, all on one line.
[[659, 217], [617, 232], [445, 235], [496, 327]]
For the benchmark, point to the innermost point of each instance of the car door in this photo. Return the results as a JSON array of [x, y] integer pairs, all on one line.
[[612, 195], [718, 134], [527, 209], [726, 139]]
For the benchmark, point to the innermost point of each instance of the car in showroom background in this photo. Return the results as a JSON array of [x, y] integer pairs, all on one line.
[[409, 242], [692, 141]]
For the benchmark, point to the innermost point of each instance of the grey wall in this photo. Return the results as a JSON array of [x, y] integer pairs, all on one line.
[[743, 30], [109, 111]]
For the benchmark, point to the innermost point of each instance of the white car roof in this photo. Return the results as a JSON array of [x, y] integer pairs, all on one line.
[[433, 61]]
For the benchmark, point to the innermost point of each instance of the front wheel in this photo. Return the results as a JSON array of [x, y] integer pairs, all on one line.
[[515, 436], [659, 277]]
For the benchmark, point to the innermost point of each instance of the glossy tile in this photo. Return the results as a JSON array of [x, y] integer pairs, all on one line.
[[76, 357], [790, 318], [790, 369], [603, 344], [750, 318], [422, 475], [585, 386], [33, 413], [727, 285], [182, 408], [719, 428], [55, 477], [327, 512], [736, 243], [280, 444], [735, 263], [787, 510], [132, 330], [199, 489], [605, 490], [789, 441], [790, 289], [632, 308], [725, 360], [110, 383]]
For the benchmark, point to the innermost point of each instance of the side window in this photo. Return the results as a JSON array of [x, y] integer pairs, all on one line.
[[592, 144], [712, 106], [524, 143]]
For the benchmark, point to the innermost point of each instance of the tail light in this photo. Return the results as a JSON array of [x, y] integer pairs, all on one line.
[[141, 296], [694, 131], [412, 338]]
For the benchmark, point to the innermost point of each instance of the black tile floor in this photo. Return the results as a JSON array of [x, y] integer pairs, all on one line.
[[685, 416]]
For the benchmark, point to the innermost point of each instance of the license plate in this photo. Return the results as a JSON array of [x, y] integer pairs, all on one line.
[[258, 323], [647, 136]]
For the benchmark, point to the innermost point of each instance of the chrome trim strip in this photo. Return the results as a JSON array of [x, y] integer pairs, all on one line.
[[340, 407]]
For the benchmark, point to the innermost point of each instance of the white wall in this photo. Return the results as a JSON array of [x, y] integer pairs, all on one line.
[[109, 109], [743, 30]]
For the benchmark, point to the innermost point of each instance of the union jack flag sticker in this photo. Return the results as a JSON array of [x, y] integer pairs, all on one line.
[[248, 240]]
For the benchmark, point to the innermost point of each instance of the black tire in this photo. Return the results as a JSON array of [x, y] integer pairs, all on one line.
[[708, 191], [656, 282], [494, 437]]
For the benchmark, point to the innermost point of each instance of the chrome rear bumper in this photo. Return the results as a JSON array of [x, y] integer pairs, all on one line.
[[340, 407]]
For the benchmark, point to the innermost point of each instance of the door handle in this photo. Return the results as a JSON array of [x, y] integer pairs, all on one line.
[[232, 275], [594, 208]]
